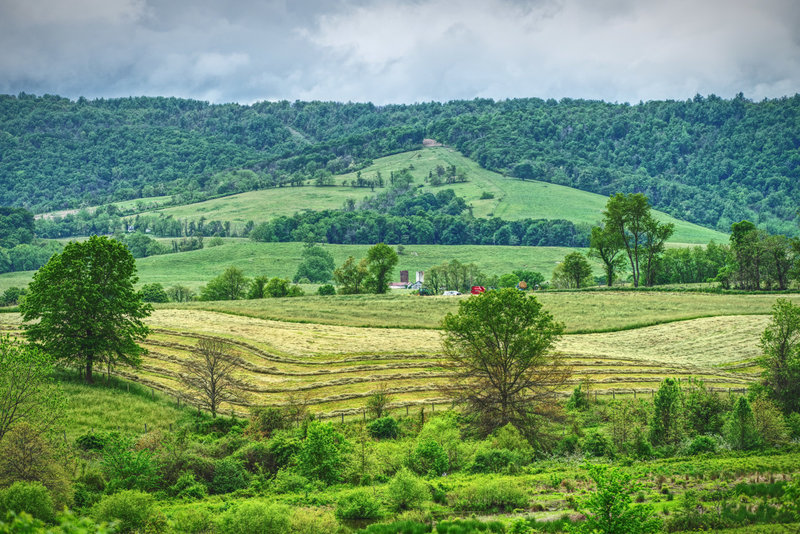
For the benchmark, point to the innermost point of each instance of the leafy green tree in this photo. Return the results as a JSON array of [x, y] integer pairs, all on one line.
[[381, 259], [320, 455], [82, 308], [27, 392], [667, 427], [573, 272], [317, 265], [154, 293], [179, 293], [607, 246], [610, 509], [780, 345], [230, 285], [277, 288], [498, 349], [532, 278], [351, 276], [740, 429], [257, 287], [508, 280]]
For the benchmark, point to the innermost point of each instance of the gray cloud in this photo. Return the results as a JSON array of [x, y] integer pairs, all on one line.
[[389, 51]]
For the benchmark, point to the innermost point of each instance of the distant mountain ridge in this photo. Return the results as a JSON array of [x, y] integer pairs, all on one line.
[[707, 160]]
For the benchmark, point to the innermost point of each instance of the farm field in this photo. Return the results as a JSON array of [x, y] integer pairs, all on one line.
[[197, 267], [334, 368], [513, 198], [581, 311]]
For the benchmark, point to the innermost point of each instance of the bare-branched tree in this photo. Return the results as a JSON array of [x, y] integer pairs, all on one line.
[[209, 376]]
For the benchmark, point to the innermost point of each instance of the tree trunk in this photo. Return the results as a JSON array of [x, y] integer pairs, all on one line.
[[89, 362]]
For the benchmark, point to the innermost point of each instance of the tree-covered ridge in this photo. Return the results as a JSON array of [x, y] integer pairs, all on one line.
[[707, 160]]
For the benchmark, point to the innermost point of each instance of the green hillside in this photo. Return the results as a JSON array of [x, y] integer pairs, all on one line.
[[514, 199]]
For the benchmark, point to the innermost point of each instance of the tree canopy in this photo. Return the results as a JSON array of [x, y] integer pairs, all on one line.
[[82, 308]]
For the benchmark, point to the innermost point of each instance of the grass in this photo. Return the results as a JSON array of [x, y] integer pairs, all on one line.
[[513, 198], [582, 312], [196, 268]]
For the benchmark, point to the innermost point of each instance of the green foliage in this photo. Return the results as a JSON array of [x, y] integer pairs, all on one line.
[[780, 343], [667, 424], [351, 277], [131, 509], [573, 272], [468, 526], [494, 461], [359, 504], [255, 516], [27, 392], [383, 428], [30, 497], [128, 469], [740, 428], [495, 495], [317, 265], [326, 289], [266, 420], [320, 456], [381, 260], [16, 227], [92, 441], [508, 280], [187, 487], [579, 400], [154, 293], [702, 444], [703, 410], [406, 491], [229, 475], [597, 444], [429, 458], [86, 307], [610, 509], [193, 520], [230, 285], [498, 347], [12, 295], [397, 527], [142, 245]]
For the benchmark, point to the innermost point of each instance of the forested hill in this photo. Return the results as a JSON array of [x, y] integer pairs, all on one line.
[[707, 160]]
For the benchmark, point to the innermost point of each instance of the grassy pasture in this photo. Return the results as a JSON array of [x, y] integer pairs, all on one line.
[[587, 311], [197, 267], [513, 198]]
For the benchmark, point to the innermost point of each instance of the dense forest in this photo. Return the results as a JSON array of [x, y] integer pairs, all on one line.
[[707, 160]]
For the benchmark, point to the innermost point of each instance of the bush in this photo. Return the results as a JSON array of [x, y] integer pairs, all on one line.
[[287, 481], [360, 504], [30, 497], [494, 496], [397, 527], [266, 420], [793, 424], [319, 455], [187, 487], [702, 444], [193, 520], [132, 509], [493, 461], [429, 458], [596, 444], [256, 457], [91, 441], [256, 516], [229, 475], [311, 521], [383, 428], [154, 293], [468, 526], [326, 289], [406, 491]]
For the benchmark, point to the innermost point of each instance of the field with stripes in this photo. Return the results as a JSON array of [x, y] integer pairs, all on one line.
[[333, 369]]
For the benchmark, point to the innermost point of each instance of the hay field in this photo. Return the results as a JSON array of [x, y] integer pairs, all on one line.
[[334, 369]]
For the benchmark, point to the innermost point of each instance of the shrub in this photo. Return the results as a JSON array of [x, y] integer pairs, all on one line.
[[91, 441], [229, 475], [406, 491], [468, 526], [326, 289], [193, 520], [128, 469], [397, 527], [266, 420], [319, 455], [311, 521], [187, 487], [494, 496], [579, 400], [256, 457], [383, 428], [360, 504], [256, 516], [702, 444], [596, 444], [30, 497], [493, 461], [132, 509], [793, 424], [485, 195], [429, 458], [567, 445], [287, 481]]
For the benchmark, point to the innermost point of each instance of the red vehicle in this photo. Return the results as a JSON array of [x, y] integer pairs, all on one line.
[[477, 290]]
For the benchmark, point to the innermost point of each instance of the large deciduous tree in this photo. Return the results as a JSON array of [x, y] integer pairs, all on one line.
[[230, 285], [607, 246], [82, 309], [573, 272], [351, 276], [498, 347]]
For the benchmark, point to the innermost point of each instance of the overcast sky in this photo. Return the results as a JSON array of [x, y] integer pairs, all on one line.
[[395, 51]]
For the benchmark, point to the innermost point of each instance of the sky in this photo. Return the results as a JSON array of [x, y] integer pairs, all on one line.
[[400, 51]]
